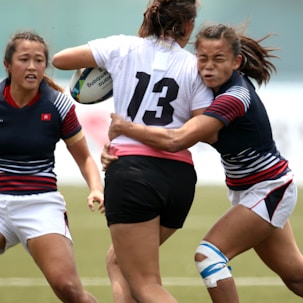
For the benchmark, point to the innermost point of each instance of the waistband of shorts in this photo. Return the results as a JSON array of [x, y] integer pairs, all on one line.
[[143, 150]]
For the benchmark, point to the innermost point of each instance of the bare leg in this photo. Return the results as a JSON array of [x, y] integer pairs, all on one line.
[[281, 253], [137, 251], [54, 255], [237, 231], [120, 288]]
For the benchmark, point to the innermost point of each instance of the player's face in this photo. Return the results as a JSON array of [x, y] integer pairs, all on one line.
[[216, 62], [28, 65]]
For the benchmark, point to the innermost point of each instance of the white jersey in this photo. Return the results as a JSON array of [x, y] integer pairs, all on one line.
[[155, 83]]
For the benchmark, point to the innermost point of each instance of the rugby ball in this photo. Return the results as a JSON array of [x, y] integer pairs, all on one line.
[[91, 85]]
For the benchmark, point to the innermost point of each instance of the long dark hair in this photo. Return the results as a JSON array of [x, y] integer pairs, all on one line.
[[166, 18], [255, 58]]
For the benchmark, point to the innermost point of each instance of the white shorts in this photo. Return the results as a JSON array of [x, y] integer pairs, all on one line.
[[28, 216], [273, 200]]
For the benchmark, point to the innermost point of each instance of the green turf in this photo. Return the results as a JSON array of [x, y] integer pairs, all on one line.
[[92, 239]]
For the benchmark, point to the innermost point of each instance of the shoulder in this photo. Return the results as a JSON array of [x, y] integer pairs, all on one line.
[[3, 83], [48, 92], [113, 48], [2, 86], [114, 41], [236, 89], [61, 101]]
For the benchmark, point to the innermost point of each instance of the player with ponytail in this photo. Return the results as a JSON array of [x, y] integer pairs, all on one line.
[[148, 192], [34, 116], [260, 183]]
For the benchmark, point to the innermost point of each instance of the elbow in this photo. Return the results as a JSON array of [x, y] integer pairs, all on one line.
[[175, 145], [58, 62], [178, 141], [211, 139]]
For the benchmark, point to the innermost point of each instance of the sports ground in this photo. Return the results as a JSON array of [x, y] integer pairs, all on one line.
[[21, 281]]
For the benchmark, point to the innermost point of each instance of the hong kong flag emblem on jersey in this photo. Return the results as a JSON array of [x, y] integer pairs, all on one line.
[[46, 117]]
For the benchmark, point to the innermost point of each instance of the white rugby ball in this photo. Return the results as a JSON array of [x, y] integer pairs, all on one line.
[[91, 85]]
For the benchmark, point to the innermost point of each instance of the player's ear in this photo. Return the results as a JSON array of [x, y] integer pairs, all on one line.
[[7, 66], [237, 62]]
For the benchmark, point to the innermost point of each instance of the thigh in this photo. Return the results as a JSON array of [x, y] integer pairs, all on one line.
[[165, 233], [238, 230], [137, 251], [54, 255], [281, 254], [38, 215], [273, 200], [8, 236]]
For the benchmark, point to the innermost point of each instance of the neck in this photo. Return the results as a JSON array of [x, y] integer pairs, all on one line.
[[21, 96], [182, 42]]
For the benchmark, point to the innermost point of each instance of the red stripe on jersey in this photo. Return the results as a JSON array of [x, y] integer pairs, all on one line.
[[70, 123], [268, 174], [227, 107], [30, 184]]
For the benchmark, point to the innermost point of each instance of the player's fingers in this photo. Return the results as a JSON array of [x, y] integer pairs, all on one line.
[[91, 204], [101, 208], [106, 157]]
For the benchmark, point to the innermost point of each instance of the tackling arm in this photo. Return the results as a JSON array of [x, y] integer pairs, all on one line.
[[199, 128]]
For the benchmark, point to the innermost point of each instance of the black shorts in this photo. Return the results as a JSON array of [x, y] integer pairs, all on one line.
[[140, 188]]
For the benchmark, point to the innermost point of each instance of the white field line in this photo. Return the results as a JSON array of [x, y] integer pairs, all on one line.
[[167, 281]]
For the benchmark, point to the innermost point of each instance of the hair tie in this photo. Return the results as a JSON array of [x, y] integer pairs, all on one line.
[[155, 7]]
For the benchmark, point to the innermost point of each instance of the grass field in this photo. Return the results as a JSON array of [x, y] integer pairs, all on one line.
[[21, 281]]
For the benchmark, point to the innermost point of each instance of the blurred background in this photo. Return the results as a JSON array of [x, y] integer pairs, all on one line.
[[71, 22], [66, 23]]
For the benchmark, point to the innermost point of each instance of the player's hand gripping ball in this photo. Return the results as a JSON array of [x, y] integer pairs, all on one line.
[[91, 85]]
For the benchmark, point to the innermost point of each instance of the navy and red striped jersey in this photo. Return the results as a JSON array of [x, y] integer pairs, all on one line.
[[28, 138], [248, 151]]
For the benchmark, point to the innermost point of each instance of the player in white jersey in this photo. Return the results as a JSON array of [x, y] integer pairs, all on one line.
[[260, 182], [35, 114], [148, 192]]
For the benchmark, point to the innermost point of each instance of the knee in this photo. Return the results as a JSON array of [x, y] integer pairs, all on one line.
[[211, 264], [295, 285], [111, 259]]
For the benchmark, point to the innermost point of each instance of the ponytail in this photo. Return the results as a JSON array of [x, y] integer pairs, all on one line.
[[255, 59]]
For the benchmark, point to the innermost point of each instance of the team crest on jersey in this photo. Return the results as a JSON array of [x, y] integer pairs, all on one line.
[[46, 117]]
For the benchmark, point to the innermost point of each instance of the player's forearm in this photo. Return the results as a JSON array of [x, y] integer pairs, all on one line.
[[91, 175], [173, 140], [160, 138]]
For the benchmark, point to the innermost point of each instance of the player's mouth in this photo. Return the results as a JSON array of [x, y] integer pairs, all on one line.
[[31, 77], [209, 78]]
